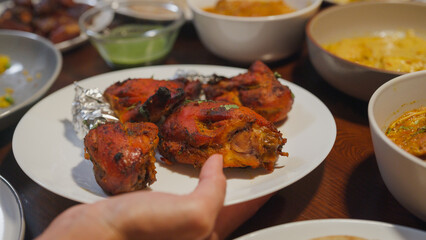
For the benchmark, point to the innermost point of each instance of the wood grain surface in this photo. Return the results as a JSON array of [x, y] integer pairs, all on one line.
[[346, 185]]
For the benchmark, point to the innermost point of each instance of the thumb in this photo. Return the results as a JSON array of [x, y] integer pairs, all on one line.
[[212, 183]]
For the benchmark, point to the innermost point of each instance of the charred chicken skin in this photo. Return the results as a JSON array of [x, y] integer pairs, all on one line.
[[257, 89], [123, 155], [198, 129], [147, 99]]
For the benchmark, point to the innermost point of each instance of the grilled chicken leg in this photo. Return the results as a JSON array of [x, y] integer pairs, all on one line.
[[257, 89], [147, 99], [123, 155], [199, 129]]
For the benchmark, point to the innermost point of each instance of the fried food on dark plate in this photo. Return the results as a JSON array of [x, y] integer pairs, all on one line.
[[258, 89], [123, 155], [56, 20], [198, 129], [147, 99]]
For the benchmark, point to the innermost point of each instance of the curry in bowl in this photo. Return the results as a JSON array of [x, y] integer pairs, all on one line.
[[399, 51], [409, 132], [252, 8]]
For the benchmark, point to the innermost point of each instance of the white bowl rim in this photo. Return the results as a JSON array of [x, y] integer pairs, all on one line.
[[373, 123], [43, 90], [339, 7], [312, 6]]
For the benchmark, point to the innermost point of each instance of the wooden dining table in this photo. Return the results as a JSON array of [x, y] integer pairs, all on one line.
[[347, 184]]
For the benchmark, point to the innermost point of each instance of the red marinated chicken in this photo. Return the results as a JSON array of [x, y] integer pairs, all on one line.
[[123, 155], [257, 89], [199, 129], [147, 99]]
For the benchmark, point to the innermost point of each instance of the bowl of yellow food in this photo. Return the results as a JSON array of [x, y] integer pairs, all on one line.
[[357, 47], [397, 117], [29, 65], [245, 31]]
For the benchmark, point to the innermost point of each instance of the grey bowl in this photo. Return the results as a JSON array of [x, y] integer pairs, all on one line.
[[35, 65]]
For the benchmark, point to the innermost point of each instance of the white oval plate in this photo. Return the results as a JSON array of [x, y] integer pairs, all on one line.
[[48, 150], [12, 224], [307, 230]]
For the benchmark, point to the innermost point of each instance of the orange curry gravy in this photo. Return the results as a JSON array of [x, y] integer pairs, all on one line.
[[250, 8], [409, 132]]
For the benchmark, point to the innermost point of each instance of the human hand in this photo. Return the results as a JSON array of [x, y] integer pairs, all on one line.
[[148, 215]]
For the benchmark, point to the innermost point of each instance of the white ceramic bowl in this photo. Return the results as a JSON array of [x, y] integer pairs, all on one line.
[[246, 39], [359, 19], [403, 173]]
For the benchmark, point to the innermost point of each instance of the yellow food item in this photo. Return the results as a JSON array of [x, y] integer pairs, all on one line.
[[250, 8], [339, 237], [409, 132], [7, 99], [396, 51], [4, 63]]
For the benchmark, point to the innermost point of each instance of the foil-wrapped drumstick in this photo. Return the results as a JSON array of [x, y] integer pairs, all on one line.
[[123, 155]]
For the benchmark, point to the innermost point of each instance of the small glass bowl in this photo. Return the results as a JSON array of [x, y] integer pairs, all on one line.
[[133, 33]]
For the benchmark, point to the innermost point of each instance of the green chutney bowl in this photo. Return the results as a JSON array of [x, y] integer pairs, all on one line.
[[133, 33]]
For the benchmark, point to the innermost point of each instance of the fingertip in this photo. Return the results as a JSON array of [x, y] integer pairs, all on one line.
[[212, 178], [214, 161], [213, 167]]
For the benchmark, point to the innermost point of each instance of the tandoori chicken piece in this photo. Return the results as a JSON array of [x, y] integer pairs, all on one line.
[[123, 155], [147, 99], [258, 89], [198, 129]]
